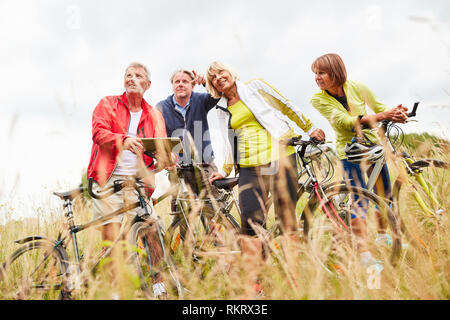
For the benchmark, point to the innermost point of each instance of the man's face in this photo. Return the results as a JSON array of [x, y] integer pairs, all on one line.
[[182, 85], [136, 81]]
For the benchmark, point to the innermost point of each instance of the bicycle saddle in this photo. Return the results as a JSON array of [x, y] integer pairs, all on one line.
[[226, 183], [69, 194]]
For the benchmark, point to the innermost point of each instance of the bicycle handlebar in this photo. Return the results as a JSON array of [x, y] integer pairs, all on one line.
[[385, 123], [413, 112], [95, 196], [296, 141], [118, 185]]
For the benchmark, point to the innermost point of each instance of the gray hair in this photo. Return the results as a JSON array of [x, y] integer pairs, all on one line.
[[139, 65], [189, 73]]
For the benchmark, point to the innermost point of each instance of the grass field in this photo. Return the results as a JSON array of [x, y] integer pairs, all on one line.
[[292, 273]]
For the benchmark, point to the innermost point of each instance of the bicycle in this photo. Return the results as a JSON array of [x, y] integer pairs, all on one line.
[[328, 211], [333, 200], [411, 175], [42, 267], [200, 223], [206, 224]]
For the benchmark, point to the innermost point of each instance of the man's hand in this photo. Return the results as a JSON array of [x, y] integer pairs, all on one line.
[[134, 145], [318, 134], [199, 78]]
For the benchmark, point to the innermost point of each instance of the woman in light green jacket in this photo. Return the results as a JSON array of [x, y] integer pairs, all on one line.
[[343, 103]]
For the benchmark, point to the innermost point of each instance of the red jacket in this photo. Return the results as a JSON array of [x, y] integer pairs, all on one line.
[[110, 122]]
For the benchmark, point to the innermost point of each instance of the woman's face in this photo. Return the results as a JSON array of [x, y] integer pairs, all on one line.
[[323, 80], [222, 80]]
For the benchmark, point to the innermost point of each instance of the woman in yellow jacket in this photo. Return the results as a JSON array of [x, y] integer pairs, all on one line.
[[343, 103]]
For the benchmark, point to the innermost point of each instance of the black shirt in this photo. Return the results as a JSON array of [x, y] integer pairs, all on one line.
[[342, 100]]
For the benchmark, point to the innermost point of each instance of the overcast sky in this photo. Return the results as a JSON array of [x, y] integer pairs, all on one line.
[[59, 58]]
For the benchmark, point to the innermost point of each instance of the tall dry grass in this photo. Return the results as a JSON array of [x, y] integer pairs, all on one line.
[[291, 270]]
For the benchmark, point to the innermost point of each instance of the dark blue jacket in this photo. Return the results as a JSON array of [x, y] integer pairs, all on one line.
[[195, 123]]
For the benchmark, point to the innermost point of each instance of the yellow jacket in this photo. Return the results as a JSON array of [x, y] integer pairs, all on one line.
[[343, 121]]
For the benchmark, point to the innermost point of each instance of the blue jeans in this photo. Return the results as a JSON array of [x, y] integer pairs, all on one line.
[[382, 187]]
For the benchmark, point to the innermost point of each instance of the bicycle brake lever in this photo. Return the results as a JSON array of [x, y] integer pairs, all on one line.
[[317, 142]]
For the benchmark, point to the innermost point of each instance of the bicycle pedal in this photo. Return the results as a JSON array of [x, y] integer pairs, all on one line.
[[195, 258]]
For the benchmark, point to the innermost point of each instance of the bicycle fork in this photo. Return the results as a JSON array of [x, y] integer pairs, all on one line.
[[419, 178], [323, 201]]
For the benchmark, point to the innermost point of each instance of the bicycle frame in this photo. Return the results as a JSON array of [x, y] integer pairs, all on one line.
[[418, 176], [74, 229], [315, 189], [182, 199], [405, 170]]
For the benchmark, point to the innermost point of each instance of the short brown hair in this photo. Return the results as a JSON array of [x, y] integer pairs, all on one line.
[[332, 64], [189, 73]]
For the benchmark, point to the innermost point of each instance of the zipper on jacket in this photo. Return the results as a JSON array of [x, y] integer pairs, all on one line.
[[143, 158], [95, 156], [129, 121], [234, 144]]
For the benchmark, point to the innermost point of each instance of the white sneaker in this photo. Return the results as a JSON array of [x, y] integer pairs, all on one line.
[[385, 239], [115, 296], [368, 261], [159, 290]]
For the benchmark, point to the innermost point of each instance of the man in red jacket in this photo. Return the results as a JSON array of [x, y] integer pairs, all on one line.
[[118, 124]]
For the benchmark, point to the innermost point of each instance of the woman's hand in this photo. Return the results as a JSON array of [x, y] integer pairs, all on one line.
[[397, 114], [215, 176], [318, 134]]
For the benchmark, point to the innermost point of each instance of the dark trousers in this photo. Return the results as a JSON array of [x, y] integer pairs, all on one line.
[[254, 188], [382, 187], [198, 183]]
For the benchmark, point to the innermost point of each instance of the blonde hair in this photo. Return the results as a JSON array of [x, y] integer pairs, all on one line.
[[332, 64], [218, 66]]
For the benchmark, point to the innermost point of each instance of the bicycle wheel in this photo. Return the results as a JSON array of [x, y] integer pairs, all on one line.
[[35, 271], [151, 259], [207, 233], [333, 237], [421, 199]]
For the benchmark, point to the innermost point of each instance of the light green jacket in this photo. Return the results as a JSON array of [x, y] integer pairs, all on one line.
[[341, 120]]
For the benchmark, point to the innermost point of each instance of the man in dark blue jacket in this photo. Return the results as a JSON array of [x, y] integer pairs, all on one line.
[[185, 113]]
